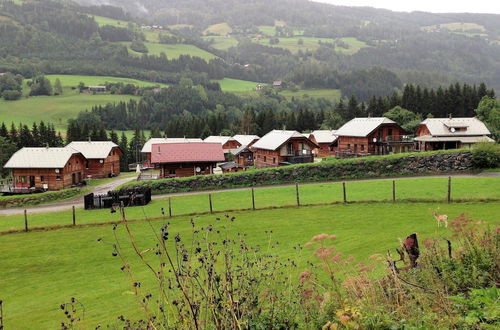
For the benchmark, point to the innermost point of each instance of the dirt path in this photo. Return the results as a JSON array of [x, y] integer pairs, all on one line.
[[102, 189], [69, 203]]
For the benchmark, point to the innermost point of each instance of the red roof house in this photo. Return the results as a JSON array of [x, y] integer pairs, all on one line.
[[186, 159]]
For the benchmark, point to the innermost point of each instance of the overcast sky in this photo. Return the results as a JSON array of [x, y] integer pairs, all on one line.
[[435, 6]]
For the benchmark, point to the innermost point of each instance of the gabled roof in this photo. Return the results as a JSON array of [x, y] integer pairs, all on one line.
[[219, 139], [187, 152], [245, 140], [147, 146], [446, 126], [325, 136], [93, 149], [41, 158], [275, 139], [362, 127]]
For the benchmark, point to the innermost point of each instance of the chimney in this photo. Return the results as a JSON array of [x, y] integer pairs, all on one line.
[[90, 139], [450, 116]]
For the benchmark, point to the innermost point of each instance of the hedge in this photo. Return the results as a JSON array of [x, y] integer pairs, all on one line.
[[41, 198]]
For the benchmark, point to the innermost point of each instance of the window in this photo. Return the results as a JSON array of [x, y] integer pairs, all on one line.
[[265, 159], [289, 148], [58, 177], [42, 178], [355, 148], [274, 160], [362, 147], [21, 179], [349, 146], [172, 171]]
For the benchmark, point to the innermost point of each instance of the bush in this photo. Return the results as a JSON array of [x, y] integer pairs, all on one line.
[[138, 46], [11, 95], [486, 155]]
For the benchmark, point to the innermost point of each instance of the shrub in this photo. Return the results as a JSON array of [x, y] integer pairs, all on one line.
[[486, 155], [11, 95]]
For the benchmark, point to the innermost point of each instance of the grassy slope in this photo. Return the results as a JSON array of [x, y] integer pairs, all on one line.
[[74, 80], [236, 85], [219, 29], [41, 270], [311, 44], [110, 21], [173, 50], [222, 43], [414, 188], [54, 109]]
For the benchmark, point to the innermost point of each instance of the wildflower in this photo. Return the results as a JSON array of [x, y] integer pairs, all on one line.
[[308, 244], [337, 257], [305, 275], [324, 252], [320, 237], [307, 293]]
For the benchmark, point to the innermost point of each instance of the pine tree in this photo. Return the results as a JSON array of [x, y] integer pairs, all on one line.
[[58, 90], [3, 131]]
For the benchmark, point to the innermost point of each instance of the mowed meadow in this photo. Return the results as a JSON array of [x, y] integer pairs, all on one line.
[[42, 270]]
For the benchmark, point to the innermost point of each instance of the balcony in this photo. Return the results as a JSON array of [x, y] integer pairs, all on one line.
[[299, 156], [390, 139]]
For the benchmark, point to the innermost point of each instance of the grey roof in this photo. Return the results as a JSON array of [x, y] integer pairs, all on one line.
[[274, 139], [463, 139], [325, 136], [443, 126], [218, 138], [93, 149], [41, 158], [237, 151], [147, 146], [245, 140], [362, 126]]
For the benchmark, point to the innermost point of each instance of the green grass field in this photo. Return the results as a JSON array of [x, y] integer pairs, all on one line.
[[417, 189], [312, 44], [222, 43], [220, 29], [236, 85], [329, 94], [110, 21], [54, 109], [172, 50], [74, 80], [41, 270]]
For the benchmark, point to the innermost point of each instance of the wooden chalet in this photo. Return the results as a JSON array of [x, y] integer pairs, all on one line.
[[372, 136], [146, 149], [280, 147], [450, 133], [326, 140], [46, 169], [244, 154], [102, 158], [186, 159], [229, 144]]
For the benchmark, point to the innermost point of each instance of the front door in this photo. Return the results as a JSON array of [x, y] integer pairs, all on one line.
[[32, 181], [73, 179]]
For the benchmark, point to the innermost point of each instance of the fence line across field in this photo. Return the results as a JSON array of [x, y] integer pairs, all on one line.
[[253, 206]]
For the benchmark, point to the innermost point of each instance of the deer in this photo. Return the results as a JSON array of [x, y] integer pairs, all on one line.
[[440, 218]]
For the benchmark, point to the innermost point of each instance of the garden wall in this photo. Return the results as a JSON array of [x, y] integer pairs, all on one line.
[[325, 171]]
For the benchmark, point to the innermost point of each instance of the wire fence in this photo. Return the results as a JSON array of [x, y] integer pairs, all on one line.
[[442, 190]]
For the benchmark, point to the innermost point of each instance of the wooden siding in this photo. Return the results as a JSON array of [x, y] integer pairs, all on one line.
[[54, 181], [103, 168], [272, 158], [178, 170]]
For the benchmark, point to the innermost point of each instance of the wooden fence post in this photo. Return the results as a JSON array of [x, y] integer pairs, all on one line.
[[74, 216], [253, 200], [210, 202], [297, 193], [393, 190], [449, 189], [25, 220], [343, 189], [170, 207]]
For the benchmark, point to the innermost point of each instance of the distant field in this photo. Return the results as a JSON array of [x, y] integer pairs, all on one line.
[[222, 42], [173, 51], [220, 29], [110, 21], [268, 29], [235, 85], [467, 29], [54, 109], [312, 44], [74, 80], [330, 94]]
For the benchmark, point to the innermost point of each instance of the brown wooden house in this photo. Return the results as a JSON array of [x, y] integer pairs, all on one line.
[[450, 133], [102, 157], [46, 168], [326, 140], [280, 147], [229, 144], [146, 149], [244, 154], [372, 136], [186, 159]]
